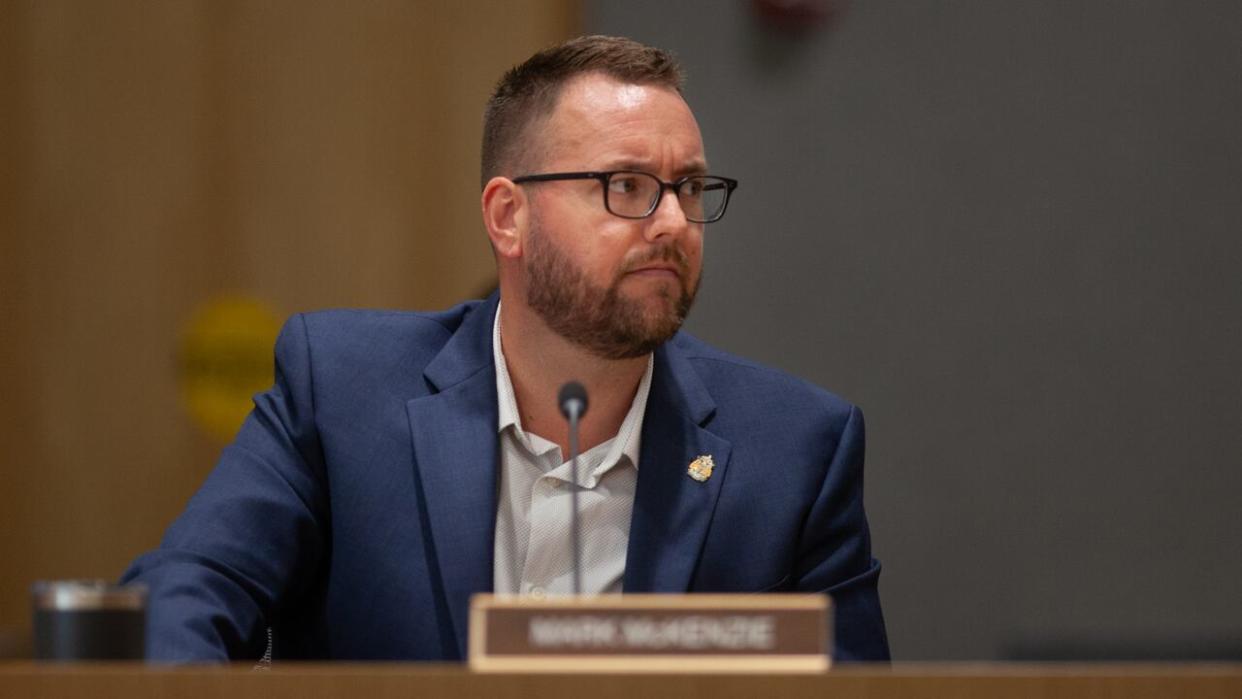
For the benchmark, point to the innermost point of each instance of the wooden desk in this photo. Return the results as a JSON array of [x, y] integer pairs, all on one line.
[[307, 681]]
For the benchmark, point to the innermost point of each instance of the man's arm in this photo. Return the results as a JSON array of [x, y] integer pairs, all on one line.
[[252, 531], [836, 554]]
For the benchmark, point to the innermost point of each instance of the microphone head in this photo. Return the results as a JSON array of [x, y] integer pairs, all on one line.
[[572, 399]]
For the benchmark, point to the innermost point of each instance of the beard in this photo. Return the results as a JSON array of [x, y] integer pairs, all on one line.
[[602, 319]]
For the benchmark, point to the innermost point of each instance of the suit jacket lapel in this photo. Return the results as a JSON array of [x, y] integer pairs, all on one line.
[[672, 511], [455, 453]]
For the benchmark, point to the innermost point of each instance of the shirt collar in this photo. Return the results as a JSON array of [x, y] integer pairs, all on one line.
[[505, 399], [627, 441]]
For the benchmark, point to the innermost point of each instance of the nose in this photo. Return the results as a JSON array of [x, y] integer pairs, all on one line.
[[669, 219]]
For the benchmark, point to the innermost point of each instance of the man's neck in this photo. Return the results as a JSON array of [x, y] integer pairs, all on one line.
[[540, 361]]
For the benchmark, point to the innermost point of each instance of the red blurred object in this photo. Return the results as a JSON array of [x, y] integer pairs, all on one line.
[[800, 15]]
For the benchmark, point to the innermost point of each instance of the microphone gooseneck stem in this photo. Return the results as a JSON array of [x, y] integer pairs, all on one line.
[[575, 543], [573, 402]]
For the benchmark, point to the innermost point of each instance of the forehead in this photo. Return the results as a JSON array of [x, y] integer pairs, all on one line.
[[600, 122]]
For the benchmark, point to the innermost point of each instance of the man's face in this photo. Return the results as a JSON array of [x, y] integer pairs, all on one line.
[[618, 287]]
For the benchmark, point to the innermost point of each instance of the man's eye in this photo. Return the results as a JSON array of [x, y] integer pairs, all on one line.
[[623, 184], [693, 188]]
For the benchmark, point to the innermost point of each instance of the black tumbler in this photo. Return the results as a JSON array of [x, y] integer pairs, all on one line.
[[89, 620]]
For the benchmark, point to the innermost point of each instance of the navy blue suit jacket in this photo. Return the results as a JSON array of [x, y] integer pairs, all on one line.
[[354, 513]]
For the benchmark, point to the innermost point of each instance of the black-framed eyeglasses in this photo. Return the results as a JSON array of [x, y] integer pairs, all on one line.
[[631, 194]]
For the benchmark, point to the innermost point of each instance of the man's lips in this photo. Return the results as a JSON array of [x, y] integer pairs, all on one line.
[[662, 263], [657, 271]]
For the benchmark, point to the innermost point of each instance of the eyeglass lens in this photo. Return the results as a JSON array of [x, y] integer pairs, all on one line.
[[637, 194]]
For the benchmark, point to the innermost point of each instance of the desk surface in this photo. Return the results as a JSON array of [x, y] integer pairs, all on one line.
[[967, 681]]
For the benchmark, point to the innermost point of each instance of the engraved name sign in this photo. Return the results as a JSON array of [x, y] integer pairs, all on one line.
[[651, 633]]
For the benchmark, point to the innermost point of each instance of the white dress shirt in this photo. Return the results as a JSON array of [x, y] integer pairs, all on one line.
[[532, 545]]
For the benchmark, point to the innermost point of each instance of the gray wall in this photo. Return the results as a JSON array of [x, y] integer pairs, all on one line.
[[1012, 233]]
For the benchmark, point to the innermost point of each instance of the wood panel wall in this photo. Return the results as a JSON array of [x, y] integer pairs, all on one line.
[[156, 155]]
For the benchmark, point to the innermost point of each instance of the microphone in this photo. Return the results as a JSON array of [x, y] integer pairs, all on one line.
[[573, 401]]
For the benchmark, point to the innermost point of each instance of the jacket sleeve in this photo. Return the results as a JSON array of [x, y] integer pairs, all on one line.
[[254, 529], [835, 554]]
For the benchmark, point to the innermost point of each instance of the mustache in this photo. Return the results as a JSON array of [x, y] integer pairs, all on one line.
[[665, 253]]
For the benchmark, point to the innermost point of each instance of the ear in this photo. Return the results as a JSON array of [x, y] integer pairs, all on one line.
[[506, 212]]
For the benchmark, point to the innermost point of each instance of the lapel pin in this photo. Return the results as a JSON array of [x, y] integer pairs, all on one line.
[[701, 468]]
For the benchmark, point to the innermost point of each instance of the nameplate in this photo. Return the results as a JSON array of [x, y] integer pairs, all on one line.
[[650, 633]]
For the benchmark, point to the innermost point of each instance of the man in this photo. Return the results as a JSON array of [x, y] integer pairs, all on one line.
[[404, 461]]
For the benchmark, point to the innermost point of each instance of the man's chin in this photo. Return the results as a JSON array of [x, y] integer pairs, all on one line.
[[643, 330], [661, 317], [662, 320]]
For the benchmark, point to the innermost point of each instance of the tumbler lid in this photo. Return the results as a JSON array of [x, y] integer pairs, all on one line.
[[85, 595]]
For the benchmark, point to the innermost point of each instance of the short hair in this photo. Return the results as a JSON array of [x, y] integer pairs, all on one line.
[[529, 91]]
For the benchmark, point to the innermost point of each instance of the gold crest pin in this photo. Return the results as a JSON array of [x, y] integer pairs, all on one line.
[[701, 468]]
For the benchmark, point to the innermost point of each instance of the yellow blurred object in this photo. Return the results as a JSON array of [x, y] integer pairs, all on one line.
[[226, 358]]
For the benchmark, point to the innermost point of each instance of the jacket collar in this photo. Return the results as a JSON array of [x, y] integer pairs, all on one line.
[[468, 351]]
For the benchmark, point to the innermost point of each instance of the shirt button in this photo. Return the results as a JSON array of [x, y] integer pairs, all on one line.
[[538, 592]]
